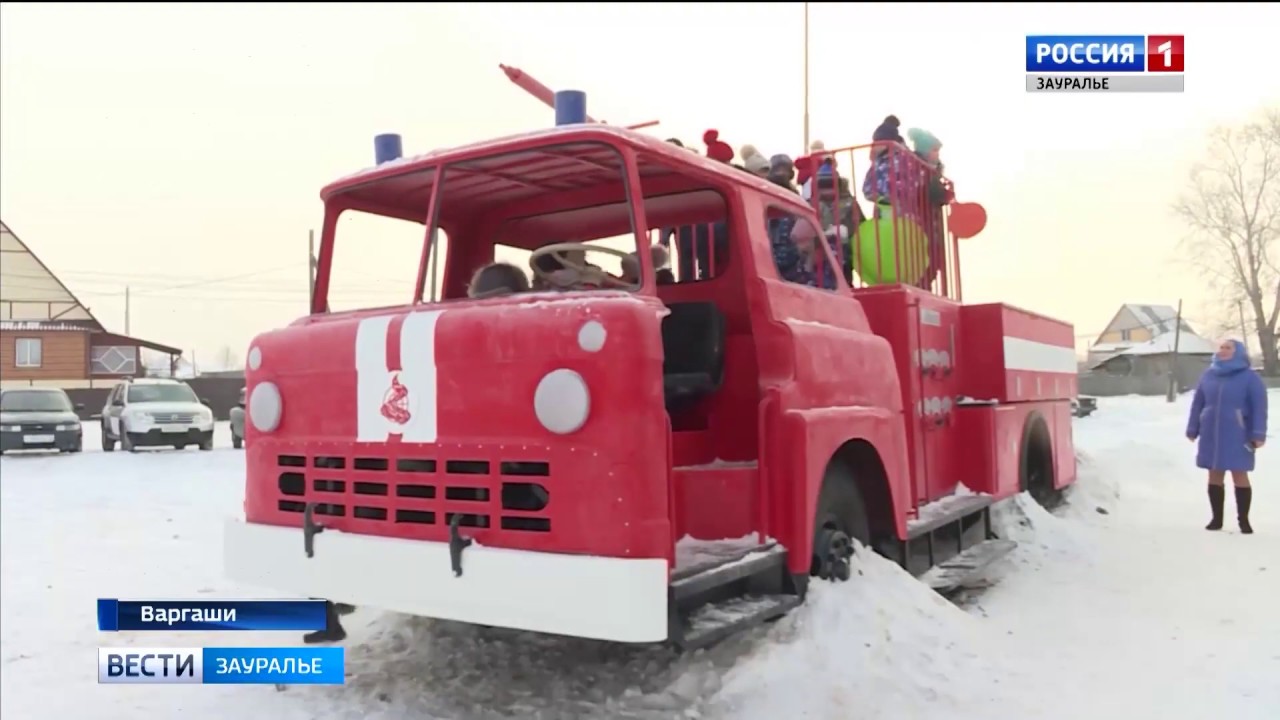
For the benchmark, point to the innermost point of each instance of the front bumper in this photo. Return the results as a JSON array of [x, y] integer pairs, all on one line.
[[155, 437], [604, 598], [41, 440]]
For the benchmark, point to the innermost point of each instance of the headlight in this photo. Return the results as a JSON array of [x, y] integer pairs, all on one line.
[[266, 407], [204, 416], [562, 402], [591, 336], [137, 416], [67, 426], [11, 428]]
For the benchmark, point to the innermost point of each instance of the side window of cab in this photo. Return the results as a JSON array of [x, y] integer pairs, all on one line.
[[797, 249]]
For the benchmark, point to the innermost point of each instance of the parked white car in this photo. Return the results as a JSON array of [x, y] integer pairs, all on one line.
[[155, 412], [237, 423]]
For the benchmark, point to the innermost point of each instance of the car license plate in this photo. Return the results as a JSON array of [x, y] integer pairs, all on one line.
[[34, 439], [173, 428]]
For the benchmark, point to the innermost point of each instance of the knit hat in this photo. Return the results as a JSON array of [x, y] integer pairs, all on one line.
[[817, 158], [752, 160], [717, 150], [818, 151], [660, 255], [888, 130], [804, 169], [781, 161], [923, 141]]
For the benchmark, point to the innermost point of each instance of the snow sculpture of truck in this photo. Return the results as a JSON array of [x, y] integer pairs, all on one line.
[[661, 462]]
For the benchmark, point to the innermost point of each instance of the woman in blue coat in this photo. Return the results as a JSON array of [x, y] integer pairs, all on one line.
[[1229, 418]]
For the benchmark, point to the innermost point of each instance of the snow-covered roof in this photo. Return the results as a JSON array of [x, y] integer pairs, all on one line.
[[1189, 343], [1159, 318], [42, 326]]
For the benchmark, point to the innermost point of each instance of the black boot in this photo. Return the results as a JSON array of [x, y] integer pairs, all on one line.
[[1244, 496], [333, 632], [1217, 496]]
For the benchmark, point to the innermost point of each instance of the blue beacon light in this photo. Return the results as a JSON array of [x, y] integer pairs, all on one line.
[[571, 107], [387, 147]]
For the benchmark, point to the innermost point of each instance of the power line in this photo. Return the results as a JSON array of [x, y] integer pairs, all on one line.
[[235, 284]]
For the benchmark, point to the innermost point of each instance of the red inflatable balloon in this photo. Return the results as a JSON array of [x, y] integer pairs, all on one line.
[[967, 219]]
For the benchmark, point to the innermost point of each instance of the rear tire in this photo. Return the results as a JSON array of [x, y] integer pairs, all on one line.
[[840, 519], [1035, 465]]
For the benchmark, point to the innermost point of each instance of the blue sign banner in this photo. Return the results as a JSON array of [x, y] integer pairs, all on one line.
[[274, 666], [117, 615], [1086, 53]]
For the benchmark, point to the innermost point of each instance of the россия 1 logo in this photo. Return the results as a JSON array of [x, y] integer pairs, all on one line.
[[1105, 63]]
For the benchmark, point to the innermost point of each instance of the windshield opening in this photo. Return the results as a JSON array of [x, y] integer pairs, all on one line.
[[473, 198], [375, 262], [687, 237], [161, 393], [34, 401]]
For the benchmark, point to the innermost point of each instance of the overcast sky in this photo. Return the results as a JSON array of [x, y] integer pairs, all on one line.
[[179, 149]]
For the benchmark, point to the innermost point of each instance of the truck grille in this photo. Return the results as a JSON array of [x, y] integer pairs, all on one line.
[[173, 418], [420, 491]]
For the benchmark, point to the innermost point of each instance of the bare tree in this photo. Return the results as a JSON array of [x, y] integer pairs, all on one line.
[[227, 359], [1232, 207]]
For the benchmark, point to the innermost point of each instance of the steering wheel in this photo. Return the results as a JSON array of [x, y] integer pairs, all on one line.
[[585, 275]]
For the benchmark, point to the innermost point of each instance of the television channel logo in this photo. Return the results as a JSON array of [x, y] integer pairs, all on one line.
[[1105, 63]]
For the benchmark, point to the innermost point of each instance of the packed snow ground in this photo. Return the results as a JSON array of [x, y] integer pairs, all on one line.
[[1134, 613]]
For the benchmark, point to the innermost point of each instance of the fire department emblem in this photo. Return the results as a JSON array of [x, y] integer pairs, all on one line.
[[395, 402]]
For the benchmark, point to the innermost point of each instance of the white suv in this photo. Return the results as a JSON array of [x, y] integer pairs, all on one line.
[[148, 412]]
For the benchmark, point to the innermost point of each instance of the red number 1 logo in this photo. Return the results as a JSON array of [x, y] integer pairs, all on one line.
[[1164, 53]]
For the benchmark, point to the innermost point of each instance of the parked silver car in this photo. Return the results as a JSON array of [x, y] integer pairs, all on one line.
[[237, 423]]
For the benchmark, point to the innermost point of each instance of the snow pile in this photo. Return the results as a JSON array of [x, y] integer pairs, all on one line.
[[880, 646]]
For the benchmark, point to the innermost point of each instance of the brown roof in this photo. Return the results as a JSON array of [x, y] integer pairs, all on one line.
[[87, 327]]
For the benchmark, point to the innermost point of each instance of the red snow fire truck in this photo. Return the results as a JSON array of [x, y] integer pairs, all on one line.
[[652, 462]]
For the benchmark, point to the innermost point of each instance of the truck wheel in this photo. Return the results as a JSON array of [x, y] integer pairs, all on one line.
[[840, 518], [108, 445], [1035, 465], [236, 442]]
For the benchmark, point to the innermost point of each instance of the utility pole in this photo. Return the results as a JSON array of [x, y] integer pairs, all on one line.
[[1173, 367], [311, 269], [126, 309], [806, 78]]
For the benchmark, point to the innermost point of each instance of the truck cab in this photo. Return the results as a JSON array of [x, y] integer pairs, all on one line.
[[626, 461]]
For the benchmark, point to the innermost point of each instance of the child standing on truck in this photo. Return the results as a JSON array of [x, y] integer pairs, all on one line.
[[937, 196], [884, 163], [794, 245], [836, 198], [782, 171]]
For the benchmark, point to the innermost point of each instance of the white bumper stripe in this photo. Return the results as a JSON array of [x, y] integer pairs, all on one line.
[[619, 599]]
